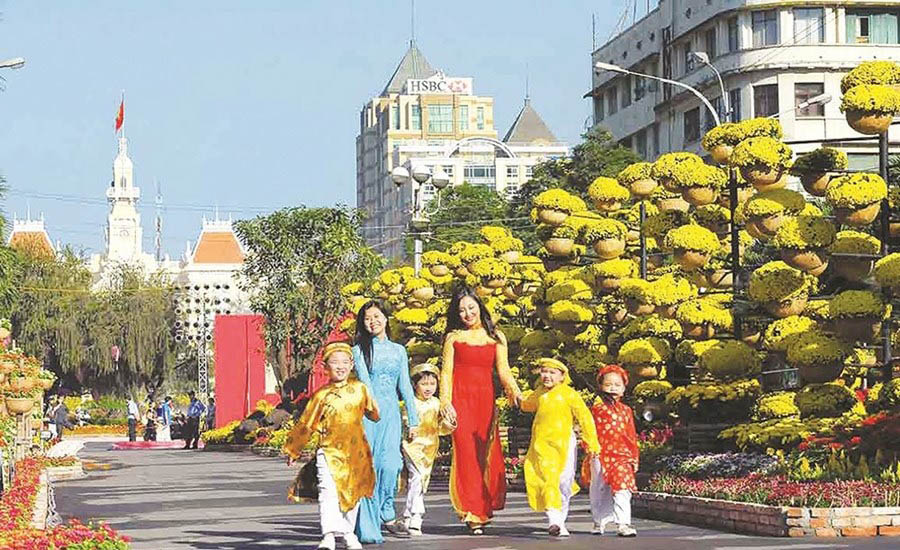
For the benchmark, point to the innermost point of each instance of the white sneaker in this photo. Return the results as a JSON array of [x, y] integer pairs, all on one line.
[[598, 528], [414, 525], [327, 542], [563, 532], [352, 542], [626, 531]]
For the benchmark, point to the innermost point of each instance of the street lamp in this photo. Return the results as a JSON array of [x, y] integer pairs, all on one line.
[[598, 66], [418, 175], [703, 58], [14, 63], [820, 99]]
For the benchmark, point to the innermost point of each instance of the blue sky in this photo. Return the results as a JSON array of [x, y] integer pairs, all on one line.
[[250, 105]]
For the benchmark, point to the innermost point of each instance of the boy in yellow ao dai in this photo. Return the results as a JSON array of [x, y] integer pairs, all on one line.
[[419, 452], [550, 462], [343, 459]]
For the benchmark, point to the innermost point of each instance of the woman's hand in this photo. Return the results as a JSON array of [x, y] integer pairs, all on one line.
[[449, 413], [413, 433], [517, 400], [290, 461]]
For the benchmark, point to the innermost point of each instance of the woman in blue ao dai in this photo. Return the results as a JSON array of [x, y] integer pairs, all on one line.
[[384, 367]]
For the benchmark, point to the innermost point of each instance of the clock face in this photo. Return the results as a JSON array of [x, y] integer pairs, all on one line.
[[123, 233]]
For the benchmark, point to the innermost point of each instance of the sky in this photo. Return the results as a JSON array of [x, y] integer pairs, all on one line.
[[251, 106]]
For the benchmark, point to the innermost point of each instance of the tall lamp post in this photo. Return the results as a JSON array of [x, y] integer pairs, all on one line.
[[703, 59], [14, 63], [820, 99], [418, 176]]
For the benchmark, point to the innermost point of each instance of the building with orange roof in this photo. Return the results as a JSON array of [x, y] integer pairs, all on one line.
[[31, 237]]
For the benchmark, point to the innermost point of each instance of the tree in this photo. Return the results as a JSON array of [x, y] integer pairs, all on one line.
[[598, 155], [464, 209], [298, 260]]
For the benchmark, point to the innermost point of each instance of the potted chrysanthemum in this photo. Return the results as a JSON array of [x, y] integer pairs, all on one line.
[[763, 161], [570, 316], [803, 242], [637, 296], [19, 401], [721, 140], [644, 357], [701, 318], [669, 201], [781, 289], [872, 72], [419, 289], [493, 272], [825, 400], [856, 198], [607, 194], [671, 170], [669, 291], [870, 108], [766, 211], [857, 314], [714, 217], [508, 249], [439, 263], [692, 245], [852, 254], [729, 360], [887, 271], [608, 275], [606, 236], [818, 356], [703, 185], [554, 206], [637, 178], [559, 240], [816, 168]]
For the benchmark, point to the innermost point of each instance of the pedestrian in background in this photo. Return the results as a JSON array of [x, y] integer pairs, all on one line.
[[134, 415], [211, 414], [164, 432], [60, 417], [192, 426]]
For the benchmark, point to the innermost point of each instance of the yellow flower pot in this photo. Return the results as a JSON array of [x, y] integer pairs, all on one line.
[[720, 278], [642, 371], [510, 256], [852, 269], [691, 260], [495, 283], [617, 316], [743, 193], [559, 246], [820, 374], [858, 217], [511, 292], [642, 188], [868, 123], [551, 216], [674, 203], [609, 249], [721, 153], [698, 196], [396, 289], [483, 291], [667, 311], [894, 229], [813, 261], [439, 270], [816, 183], [786, 308], [19, 405], [607, 205]]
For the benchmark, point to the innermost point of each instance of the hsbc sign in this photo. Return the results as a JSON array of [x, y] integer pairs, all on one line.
[[439, 85]]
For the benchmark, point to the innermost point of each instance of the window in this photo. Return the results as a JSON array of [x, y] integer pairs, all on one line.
[[692, 125], [873, 26], [640, 143], [809, 25], [612, 100], [440, 119], [765, 28], [640, 88], [765, 100], [654, 141], [480, 118], [734, 43], [688, 58], [512, 172], [711, 46], [395, 116], [806, 91], [626, 96], [529, 172], [734, 104], [710, 122], [463, 118], [448, 169], [416, 117], [598, 108], [480, 174]]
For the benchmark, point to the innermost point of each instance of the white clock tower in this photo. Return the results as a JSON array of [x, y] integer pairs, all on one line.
[[123, 229]]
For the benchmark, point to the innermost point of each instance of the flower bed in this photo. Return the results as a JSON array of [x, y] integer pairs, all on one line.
[[92, 429]]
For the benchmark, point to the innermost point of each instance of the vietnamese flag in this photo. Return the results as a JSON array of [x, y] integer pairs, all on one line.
[[120, 117]]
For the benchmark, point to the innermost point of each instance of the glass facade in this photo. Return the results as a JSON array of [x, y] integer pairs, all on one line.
[[765, 28], [440, 119]]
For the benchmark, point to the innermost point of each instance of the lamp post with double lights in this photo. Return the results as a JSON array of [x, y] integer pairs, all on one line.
[[418, 176], [196, 307], [703, 59], [14, 63]]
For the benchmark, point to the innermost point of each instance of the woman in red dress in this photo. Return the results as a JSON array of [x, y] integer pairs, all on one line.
[[473, 349]]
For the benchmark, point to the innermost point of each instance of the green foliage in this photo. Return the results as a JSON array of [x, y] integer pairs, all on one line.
[[461, 206], [298, 260]]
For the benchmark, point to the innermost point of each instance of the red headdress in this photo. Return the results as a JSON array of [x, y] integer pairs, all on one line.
[[606, 369]]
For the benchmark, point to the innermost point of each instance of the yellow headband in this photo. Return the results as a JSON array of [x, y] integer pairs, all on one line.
[[550, 363], [424, 367], [334, 347]]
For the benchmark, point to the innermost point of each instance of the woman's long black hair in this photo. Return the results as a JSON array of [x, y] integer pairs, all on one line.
[[363, 336], [453, 320]]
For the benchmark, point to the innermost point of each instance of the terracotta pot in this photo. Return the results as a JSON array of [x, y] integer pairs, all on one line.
[[423, 294], [510, 256], [669, 185], [643, 371], [642, 188], [858, 217], [786, 308], [693, 331], [495, 283], [667, 311], [633, 236], [721, 278], [559, 246], [412, 302], [820, 374], [439, 270], [609, 249], [553, 263], [868, 123], [698, 196], [607, 285], [483, 291], [743, 193], [852, 269], [690, 260], [765, 178], [813, 261], [721, 153], [816, 183], [510, 291], [19, 405], [636, 307], [551, 216], [607, 205], [859, 329], [764, 228], [752, 338], [675, 203], [396, 289], [462, 272], [616, 316]]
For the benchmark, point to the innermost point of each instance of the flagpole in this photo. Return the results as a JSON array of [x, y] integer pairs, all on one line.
[[123, 113]]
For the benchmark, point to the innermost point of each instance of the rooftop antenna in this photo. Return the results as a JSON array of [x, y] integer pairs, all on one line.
[[527, 94], [412, 22], [593, 32], [158, 221]]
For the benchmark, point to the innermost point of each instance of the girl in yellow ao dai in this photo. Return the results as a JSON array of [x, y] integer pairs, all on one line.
[[550, 462]]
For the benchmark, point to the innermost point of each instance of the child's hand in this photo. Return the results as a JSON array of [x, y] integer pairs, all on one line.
[[448, 412], [290, 461], [413, 433]]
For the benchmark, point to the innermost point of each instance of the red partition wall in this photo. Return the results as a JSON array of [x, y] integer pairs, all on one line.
[[240, 366]]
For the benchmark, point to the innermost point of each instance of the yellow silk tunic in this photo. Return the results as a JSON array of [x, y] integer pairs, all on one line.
[[335, 415], [422, 450], [557, 409]]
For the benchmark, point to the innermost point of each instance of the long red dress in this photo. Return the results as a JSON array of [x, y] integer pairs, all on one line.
[[477, 475]]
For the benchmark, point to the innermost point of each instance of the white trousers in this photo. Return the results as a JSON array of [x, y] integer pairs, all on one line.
[[558, 517], [415, 495], [164, 433], [332, 519], [606, 505]]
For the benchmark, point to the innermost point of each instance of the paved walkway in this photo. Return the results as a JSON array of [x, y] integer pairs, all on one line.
[[222, 501]]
